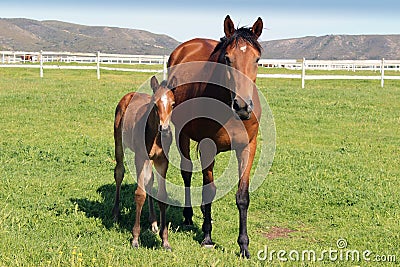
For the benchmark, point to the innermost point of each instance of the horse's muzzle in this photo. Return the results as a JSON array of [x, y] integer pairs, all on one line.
[[243, 108], [164, 130]]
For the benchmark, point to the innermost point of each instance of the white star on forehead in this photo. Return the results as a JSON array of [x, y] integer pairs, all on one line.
[[243, 48], [164, 100]]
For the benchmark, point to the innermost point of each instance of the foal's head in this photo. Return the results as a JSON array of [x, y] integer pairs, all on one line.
[[240, 50], [164, 101]]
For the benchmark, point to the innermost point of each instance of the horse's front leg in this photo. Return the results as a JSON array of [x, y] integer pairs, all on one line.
[[208, 194], [143, 172], [161, 166], [207, 155], [152, 213], [245, 157], [186, 172]]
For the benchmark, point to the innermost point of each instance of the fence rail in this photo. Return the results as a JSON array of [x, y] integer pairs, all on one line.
[[16, 59], [329, 65], [12, 57]]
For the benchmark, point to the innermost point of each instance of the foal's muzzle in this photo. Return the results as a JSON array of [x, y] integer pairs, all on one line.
[[243, 108], [164, 130]]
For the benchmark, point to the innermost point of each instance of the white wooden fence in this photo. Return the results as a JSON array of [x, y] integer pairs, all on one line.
[[100, 61], [17, 60], [329, 65]]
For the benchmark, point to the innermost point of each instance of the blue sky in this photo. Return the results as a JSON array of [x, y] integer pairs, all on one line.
[[185, 19]]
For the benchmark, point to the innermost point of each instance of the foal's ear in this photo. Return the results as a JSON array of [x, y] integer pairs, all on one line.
[[257, 27], [173, 82], [154, 84], [229, 28]]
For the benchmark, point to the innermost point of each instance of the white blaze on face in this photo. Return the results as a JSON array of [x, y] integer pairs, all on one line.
[[243, 48], [164, 100]]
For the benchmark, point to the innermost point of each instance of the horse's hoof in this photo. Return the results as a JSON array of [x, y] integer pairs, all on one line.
[[207, 244], [154, 228], [245, 254], [167, 248], [188, 222], [135, 244], [116, 213]]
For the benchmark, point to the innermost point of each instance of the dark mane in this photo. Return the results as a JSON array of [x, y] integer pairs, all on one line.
[[243, 33]]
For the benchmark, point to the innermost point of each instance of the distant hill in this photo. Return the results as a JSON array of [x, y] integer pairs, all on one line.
[[31, 35], [335, 47]]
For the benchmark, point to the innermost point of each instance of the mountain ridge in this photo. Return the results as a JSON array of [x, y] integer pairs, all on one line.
[[335, 47], [31, 35]]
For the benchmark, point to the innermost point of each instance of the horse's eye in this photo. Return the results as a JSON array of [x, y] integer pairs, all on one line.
[[258, 59]]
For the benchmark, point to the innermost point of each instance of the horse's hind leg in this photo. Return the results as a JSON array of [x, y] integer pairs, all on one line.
[[161, 168], [186, 172], [143, 170], [119, 169]]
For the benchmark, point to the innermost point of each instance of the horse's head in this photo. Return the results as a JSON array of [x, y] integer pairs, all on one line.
[[241, 51], [163, 100]]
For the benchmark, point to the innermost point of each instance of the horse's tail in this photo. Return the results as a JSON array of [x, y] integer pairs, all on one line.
[[118, 121]]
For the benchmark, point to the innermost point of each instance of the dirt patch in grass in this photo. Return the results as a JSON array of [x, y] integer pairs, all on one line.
[[278, 232]]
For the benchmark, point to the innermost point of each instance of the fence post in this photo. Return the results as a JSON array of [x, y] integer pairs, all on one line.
[[41, 63], [303, 73], [98, 65], [383, 72], [164, 67]]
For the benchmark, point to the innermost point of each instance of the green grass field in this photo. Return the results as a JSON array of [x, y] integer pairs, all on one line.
[[335, 176]]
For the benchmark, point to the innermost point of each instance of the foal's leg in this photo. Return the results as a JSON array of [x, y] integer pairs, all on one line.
[[152, 213], [161, 166], [143, 171], [207, 154], [119, 169], [245, 158], [186, 172]]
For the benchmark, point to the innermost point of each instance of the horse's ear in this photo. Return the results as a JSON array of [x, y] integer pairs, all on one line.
[[229, 27], [154, 84], [173, 82], [257, 27]]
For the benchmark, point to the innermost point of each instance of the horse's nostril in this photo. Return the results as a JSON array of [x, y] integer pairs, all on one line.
[[164, 129], [250, 106], [236, 105]]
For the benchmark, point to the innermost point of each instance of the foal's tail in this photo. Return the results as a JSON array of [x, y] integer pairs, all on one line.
[[118, 121]]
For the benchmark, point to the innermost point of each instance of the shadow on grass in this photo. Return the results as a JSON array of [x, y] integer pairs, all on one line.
[[103, 210]]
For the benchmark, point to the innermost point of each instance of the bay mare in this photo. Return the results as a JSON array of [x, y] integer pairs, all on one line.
[[239, 51]]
